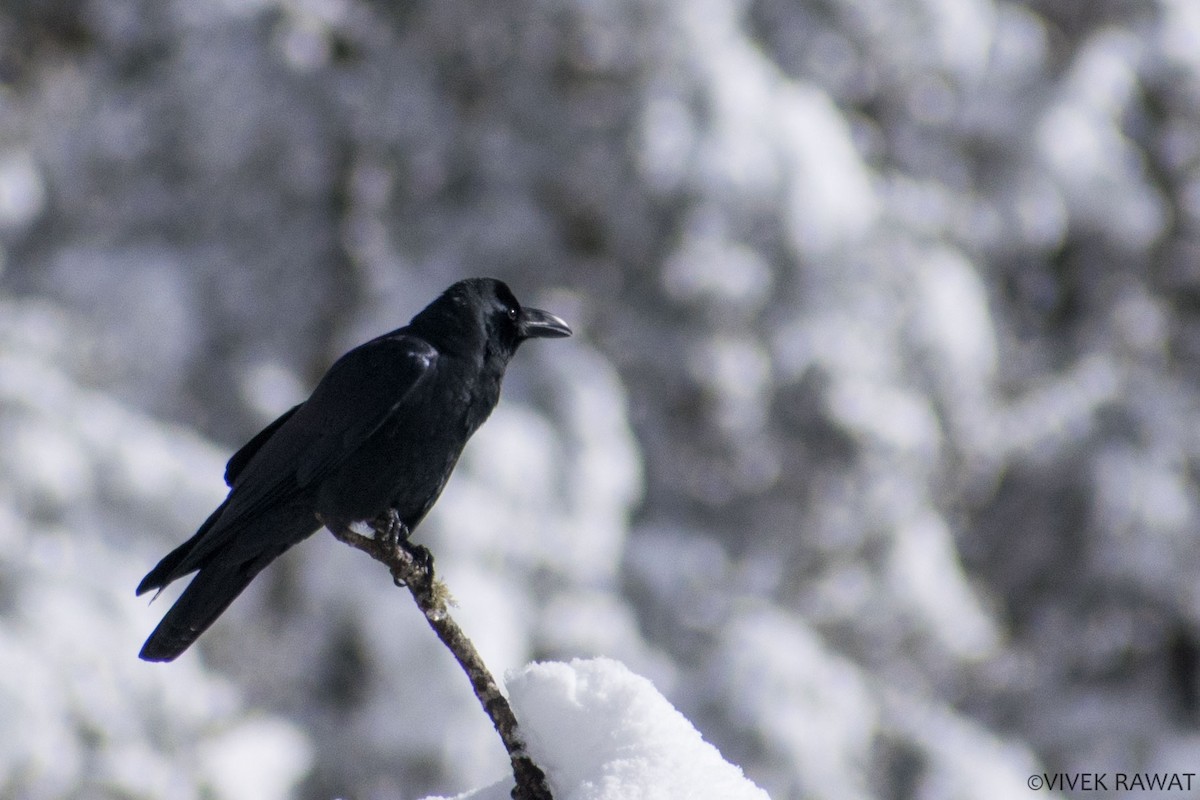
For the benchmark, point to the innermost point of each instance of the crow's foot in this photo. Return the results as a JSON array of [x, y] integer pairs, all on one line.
[[390, 531], [392, 535], [422, 557], [421, 570]]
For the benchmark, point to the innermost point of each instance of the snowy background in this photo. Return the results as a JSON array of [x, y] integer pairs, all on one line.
[[875, 450]]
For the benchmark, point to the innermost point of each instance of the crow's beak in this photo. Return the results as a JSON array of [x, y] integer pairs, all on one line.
[[538, 324]]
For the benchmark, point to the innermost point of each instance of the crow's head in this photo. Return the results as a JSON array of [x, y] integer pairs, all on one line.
[[484, 312]]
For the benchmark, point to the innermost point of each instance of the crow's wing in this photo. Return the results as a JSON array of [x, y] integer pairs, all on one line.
[[239, 460], [360, 393], [384, 377]]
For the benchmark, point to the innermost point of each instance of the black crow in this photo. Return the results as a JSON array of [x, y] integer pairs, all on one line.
[[381, 433]]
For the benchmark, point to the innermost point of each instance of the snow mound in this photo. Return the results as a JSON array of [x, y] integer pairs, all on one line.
[[603, 733]]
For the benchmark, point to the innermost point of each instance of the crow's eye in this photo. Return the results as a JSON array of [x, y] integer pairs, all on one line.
[[513, 313]]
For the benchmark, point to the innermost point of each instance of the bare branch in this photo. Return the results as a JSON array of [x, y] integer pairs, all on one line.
[[412, 566]]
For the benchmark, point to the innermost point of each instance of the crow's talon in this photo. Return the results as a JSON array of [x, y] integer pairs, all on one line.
[[421, 557], [421, 560], [389, 530]]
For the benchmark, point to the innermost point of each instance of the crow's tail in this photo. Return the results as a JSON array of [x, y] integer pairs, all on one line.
[[173, 563], [206, 597], [228, 556]]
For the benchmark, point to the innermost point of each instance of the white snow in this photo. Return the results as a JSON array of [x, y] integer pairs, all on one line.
[[926, 568], [257, 760], [603, 733], [806, 704], [22, 190]]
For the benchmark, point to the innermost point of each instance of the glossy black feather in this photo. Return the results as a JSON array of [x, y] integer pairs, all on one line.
[[238, 461]]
